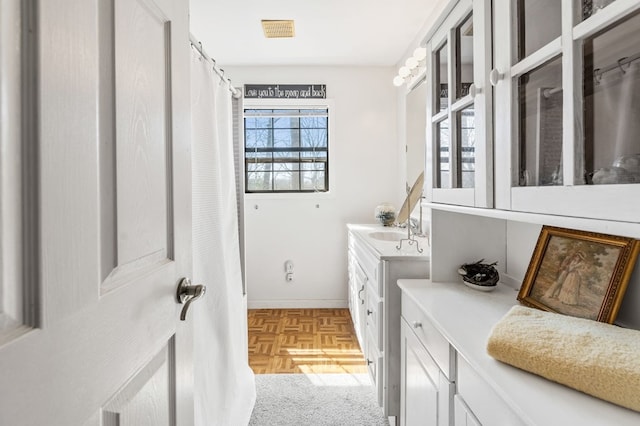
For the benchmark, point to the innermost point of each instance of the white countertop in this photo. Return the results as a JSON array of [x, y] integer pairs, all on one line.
[[465, 317], [386, 250]]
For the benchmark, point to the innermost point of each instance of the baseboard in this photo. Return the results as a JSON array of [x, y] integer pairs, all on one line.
[[297, 304]]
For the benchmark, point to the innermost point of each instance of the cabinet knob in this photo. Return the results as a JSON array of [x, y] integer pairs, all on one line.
[[495, 76], [473, 90], [369, 312], [417, 324], [369, 362]]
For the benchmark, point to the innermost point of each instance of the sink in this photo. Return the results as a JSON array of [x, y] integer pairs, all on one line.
[[388, 236]]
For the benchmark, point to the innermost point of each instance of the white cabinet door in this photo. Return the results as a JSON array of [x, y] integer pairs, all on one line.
[[565, 124], [425, 393], [462, 414], [360, 320], [105, 220], [459, 155]]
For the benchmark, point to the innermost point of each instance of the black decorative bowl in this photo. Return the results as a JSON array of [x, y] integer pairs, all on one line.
[[479, 276]]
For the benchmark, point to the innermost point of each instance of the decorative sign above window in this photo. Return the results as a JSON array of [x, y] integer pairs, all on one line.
[[285, 91]]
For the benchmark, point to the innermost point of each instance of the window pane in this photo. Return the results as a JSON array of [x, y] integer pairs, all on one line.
[[539, 22], [286, 176], [285, 138], [464, 59], [286, 122], [612, 105], [257, 138], [443, 153], [313, 180], [540, 117], [440, 68], [467, 138], [260, 179], [314, 138], [257, 123], [313, 122], [591, 7]]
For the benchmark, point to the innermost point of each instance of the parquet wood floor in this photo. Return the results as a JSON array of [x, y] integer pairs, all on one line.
[[319, 341]]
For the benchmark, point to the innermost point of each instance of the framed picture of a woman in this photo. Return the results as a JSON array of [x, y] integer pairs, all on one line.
[[579, 273]]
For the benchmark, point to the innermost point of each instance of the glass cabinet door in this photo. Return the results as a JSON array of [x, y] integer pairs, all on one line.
[[459, 154], [567, 105]]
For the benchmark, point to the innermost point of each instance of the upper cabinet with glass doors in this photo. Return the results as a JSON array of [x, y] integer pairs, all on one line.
[[567, 106], [459, 111]]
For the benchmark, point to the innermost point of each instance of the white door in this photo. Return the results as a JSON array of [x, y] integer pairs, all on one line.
[[95, 188]]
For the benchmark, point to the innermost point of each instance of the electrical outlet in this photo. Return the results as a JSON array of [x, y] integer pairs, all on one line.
[[288, 266], [289, 277]]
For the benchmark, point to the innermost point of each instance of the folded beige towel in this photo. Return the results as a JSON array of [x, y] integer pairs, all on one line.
[[600, 359]]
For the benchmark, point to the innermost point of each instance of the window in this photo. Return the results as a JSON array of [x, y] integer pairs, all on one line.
[[286, 150]]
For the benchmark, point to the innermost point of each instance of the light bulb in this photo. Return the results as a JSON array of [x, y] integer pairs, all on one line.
[[404, 72], [398, 81], [420, 53], [412, 63]]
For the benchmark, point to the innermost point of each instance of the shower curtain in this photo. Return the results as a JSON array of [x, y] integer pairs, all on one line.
[[617, 108], [224, 383]]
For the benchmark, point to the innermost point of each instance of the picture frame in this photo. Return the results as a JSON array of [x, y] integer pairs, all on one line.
[[579, 273]]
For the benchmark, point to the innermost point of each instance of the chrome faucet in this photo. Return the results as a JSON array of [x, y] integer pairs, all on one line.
[[414, 226]]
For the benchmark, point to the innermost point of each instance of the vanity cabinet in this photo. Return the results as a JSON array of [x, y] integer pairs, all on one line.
[[449, 379], [374, 302]]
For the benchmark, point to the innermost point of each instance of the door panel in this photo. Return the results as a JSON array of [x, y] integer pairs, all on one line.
[[137, 403], [143, 189], [112, 216], [12, 315], [142, 141]]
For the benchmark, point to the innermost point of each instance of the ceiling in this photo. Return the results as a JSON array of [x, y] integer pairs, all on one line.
[[328, 32]]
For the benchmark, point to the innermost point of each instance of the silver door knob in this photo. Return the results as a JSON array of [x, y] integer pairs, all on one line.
[[187, 294]]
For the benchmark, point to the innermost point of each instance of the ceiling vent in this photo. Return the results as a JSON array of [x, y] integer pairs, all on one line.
[[278, 28]]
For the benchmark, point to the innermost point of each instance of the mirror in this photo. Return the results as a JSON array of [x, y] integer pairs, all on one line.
[[412, 200], [416, 114]]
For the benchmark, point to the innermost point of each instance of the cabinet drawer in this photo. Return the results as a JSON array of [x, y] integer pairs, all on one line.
[[481, 399], [370, 265], [431, 338], [374, 315]]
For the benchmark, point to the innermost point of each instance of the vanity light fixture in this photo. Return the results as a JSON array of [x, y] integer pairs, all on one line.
[[411, 66], [420, 53], [411, 63]]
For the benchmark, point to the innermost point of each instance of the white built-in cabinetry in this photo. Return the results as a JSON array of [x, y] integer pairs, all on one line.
[[449, 379], [374, 302], [534, 169]]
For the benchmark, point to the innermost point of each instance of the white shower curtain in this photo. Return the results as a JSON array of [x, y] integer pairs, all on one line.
[[616, 113], [224, 383]]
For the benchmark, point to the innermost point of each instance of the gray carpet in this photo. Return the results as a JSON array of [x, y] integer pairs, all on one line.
[[316, 400]]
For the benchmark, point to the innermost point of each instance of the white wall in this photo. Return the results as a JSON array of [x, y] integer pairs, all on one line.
[[310, 229]]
